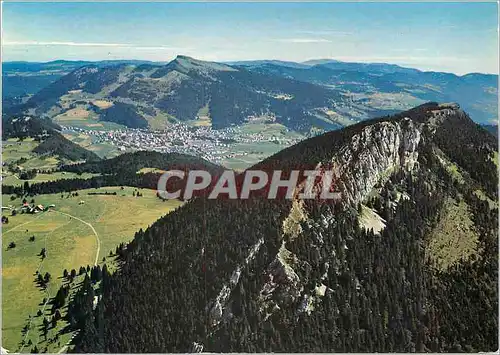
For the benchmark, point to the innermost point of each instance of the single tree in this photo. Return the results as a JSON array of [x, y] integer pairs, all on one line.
[[57, 315], [46, 277]]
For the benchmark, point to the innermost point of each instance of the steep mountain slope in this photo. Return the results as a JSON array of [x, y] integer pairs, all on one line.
[[263, 275]]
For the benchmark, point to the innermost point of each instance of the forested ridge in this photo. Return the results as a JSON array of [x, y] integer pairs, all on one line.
[[181, 88], [26, 126], [57, 144], [133, 162], [230, 94], [224, 276], [52, 142], [123, 170]]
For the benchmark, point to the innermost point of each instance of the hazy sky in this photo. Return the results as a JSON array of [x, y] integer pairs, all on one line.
[[453, 37]]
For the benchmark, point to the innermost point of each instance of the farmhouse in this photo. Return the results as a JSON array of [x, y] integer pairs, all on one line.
[[28, 209]]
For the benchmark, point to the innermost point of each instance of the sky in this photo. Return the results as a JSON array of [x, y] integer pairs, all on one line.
[[451, 37]]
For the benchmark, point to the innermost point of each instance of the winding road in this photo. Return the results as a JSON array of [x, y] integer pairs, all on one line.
[[22, 224], [93, 230], [47, 298], [65, 347], [48, 295]]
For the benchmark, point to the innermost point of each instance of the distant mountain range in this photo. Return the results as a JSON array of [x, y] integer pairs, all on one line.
[[493, 129], [25, 78], [476, 93], [318, 94]]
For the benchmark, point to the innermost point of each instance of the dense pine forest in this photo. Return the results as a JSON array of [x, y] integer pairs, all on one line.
[[227, 276]]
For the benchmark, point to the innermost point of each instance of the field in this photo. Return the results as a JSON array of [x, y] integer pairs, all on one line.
[[269, 129], [20, 153], [84, 140], [103, 150], [12, 179], [86, 120], [68, 235], [390, 101], [203, 117], [494, 158], [454, 236], [103, 104], [14, 150], [159, 121], [81, 115], [248, 154], [77, 113]]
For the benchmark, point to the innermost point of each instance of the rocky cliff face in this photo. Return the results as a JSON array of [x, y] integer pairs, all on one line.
[[373, 154], [368, 159]]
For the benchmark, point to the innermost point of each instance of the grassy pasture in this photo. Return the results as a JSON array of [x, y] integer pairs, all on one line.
[[454, 236], [13, 150], [11, 179], [69, 242]]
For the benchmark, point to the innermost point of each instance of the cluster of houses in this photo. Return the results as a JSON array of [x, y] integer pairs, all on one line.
[[26, 208]]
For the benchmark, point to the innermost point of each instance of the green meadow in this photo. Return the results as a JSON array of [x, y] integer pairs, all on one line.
[[77, 232]]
